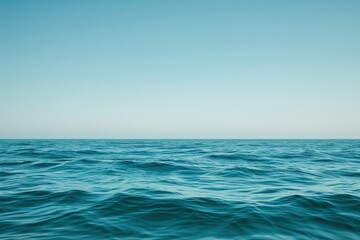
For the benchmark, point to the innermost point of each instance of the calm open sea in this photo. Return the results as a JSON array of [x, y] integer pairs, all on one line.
[[180, 189]]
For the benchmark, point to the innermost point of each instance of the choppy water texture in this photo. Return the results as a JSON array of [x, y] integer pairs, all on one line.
[[180, 189]]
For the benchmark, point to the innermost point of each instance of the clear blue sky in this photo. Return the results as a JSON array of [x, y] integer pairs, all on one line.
[[180, 69]]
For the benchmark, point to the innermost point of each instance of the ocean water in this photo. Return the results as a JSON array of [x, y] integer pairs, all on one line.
[[180, 189]]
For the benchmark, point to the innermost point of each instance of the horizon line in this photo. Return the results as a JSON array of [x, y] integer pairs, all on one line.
[[179, 138]]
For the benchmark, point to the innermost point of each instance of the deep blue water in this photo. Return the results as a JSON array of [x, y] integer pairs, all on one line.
[[180, 189]]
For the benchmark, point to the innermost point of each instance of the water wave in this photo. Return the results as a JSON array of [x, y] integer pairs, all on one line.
[[179, 189]]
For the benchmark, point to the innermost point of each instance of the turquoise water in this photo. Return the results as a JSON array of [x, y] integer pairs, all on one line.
[[180, 189]]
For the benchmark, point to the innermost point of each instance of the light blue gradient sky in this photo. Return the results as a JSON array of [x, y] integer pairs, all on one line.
[[180, 69]]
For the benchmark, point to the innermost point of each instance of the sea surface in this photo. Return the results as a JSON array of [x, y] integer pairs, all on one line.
[[180, 189]]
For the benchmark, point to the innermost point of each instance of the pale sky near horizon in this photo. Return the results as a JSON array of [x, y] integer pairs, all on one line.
[[180, 69]]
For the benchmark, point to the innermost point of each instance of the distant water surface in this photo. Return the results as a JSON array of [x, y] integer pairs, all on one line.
[[180, 189]]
